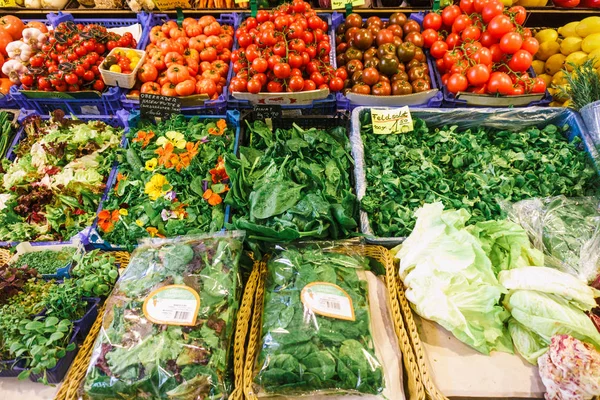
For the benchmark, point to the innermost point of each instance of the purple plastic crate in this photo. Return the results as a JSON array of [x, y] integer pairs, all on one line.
[[210, 107], [84, 324], [343, 103], [56, 374], [118, 120], [327, 105], [11, 368], [109, 102], [94, 239]]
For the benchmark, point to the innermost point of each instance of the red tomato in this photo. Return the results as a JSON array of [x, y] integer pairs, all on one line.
[[500, 25], [449, 14], [12, 25], [177, 73], [511, 42], [520, 61], [530, 45], [430, 36], [518, 13], [457, 83], [208, 87], [478, 74], [336, 84], [461, 23], [260, 64], [491, 9], [438, 49], [282, 70], [539, 86], [496, 53], [471, 33], [467, 6], [236, 84], [487, 39], [432, 21], [483, 56], [453, 40], [296, 84], [499, 82]]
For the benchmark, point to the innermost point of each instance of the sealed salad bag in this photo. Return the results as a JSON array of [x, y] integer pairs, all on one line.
[[326, 327], [169, 323]]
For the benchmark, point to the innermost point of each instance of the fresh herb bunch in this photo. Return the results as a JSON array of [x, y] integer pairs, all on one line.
[[95, 273], [583, 84], [470, 169], [170, 182], [42, 344], [52, 190], [303, 352], [293, 183], [6, 132], [169, 361], [65, 301], [46, 261]]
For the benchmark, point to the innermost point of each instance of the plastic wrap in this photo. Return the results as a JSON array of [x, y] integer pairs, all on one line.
[[499, 118], [567, 230], [189, 287], [326, 328], [591, 116]]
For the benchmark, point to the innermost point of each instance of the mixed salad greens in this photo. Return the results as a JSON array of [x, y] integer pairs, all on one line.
[[171, 181], [52, 189], [304, 352], [292, 183], [468, 169], [135, 358]]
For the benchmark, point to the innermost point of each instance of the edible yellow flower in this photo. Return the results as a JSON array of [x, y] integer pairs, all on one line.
[[157, 186], [151, 164], [174, 137], [139, 222], [123, 212]]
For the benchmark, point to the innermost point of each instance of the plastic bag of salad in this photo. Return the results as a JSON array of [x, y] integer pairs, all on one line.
[[169, 322], [326, 328]]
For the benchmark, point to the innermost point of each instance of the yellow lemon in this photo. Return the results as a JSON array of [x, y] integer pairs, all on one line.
[[547, 49], [559, 78], [576, 58], [569, 29], [595, 55], [570, 45], [115, 68], [587, 26], [538, 66], [554, 64], [591, 42], [547, 35]]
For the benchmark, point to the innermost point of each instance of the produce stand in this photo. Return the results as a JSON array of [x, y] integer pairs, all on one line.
[[320, 199]]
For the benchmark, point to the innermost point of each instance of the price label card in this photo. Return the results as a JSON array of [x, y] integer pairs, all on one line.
[[8, 3], [172, 305], [165, 5], [396, 120], [341, 4], [154, 105], [328, 300], [263, 112]]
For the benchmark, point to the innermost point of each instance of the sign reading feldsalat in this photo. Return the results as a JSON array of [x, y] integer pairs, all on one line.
[[340, 4], [154, 105], [396, 120]]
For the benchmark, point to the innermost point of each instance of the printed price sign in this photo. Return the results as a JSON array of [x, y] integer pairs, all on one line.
[[263, 112], [154, 105], [391, 121], [340, 4], [165, 5]]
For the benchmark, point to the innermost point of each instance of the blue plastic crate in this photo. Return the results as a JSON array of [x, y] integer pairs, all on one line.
[[465, 118], [210, 107], [343, 103], [84, 324], [118, 120], [322, 106], [11, 368], [94, 239], [108, 103]]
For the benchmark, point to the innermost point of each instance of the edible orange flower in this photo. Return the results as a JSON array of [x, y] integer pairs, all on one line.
[[165, 154], [144, 137], [218, 173], [212, 198], [120, 177], [153, 232], [106, 219], [220, 129]]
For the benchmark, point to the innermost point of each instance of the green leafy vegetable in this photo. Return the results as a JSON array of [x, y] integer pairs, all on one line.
[[46, 261], [303, 351]]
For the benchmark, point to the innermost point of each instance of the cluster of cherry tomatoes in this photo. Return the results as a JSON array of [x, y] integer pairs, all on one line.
[[284, 50], [187, 60], [382, 58], [69, 61], [481, 47]]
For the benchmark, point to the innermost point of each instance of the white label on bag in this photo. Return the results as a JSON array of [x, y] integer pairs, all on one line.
[[328, 300], [172, 305]]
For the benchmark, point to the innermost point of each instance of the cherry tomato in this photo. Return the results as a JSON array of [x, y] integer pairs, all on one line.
[[531, 45], [491, 9], [518, 13], [457, 83], [499, 82], [500, 25], [478, 74], [520, 61], [438, 49], [99, 85], [282, 70], [296, 84], [70, 79], [461, 23], [449, 14], [467, 6], [511, 42], [432, 21]]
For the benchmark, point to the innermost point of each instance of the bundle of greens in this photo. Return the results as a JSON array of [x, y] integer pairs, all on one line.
[[52, 189], [292, 184], [173, 357], [95, 273], [7, 132], [466, 169], [171, 181], [46, 261], [303, 351]]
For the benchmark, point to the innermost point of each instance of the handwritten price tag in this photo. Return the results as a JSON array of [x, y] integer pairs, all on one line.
[[164, 5], [341, 4], [8, 3], [391, 121], [154, 105]]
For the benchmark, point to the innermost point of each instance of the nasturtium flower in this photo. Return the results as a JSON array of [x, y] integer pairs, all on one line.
[[153, 232], [139, 222], [107, 219], [123, 212], [151, 164], [174, 137], [157, 186]]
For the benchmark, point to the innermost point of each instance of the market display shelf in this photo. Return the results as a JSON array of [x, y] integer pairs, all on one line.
[[94, 239], [117, 120], [498, 118], [213, 107], [86, 102]]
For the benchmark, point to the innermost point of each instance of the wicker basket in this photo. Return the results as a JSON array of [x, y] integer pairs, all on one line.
[[4, 256], [416, 389]]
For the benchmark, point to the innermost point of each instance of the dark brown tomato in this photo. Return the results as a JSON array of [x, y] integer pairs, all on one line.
[[383, 78], [419, 55], [340, 59], [361, 88], [372, 63], [400, 76], [400, 88], [411, 26], [416, 73], [354, 20], [386, 49], [357, 77], [354, 65], [341, 48], [406, 52], [415, 38], [398, 19], [370, 76], [382, 89], [420, 85], [413, 63], [374, 21], [363, 39], [388, 65], [384, 36], [353, 54], [374, 29], [397, 41], [396, 30], [350, 33], [341, 29]]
